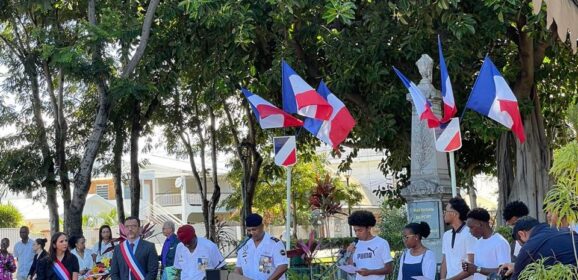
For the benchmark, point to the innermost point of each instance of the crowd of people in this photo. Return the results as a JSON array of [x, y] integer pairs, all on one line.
[[471, 249]]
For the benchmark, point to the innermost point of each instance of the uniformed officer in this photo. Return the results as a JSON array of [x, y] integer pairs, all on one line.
[[264, 256]]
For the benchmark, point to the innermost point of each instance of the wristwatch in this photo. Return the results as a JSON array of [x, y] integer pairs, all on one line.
[[479, 269]]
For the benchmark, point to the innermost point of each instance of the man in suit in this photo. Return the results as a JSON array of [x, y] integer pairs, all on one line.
[[134, 258]]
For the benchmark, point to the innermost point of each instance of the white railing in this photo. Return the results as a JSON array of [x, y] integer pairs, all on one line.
[[174, 199]]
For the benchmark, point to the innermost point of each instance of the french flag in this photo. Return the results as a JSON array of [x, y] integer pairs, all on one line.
[[422, 105], [450, 108], [267, 114], [335, 130], [300, 98], [493, 98], [449, 137]]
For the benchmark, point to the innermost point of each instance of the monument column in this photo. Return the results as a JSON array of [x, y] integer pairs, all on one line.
[[430, 186]]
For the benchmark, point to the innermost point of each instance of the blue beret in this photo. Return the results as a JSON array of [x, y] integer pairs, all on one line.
[[253, 220]]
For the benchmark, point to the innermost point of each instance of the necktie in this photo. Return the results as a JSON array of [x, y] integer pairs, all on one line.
[[131, 246]]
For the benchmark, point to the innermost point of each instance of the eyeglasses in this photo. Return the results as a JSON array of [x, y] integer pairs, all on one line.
[[406, 237], [449, 211]]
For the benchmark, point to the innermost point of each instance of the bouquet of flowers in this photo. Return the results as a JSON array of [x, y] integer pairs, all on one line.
[[100, 270]]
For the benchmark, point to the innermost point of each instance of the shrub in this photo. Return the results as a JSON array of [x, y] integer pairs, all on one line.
[[391, 226], [10, 217]]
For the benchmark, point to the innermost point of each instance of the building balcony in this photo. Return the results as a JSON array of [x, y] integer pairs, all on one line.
[[174, 199]]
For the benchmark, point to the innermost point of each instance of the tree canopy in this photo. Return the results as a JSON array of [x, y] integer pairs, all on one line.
[[91, 78]]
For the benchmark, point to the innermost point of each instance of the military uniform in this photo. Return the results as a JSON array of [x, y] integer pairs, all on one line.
[[260, 262]]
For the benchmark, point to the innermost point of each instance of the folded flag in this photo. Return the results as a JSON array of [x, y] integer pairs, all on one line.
[[450, 138], [450, 108], [422, 105], [335, 130], [267, 114], [300, 98], [493, 98]]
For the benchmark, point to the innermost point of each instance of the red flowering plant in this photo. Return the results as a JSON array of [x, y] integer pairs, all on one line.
[[327, 199]]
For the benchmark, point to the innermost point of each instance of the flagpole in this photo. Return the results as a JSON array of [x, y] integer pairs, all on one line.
[[288, 214], [453, 174]]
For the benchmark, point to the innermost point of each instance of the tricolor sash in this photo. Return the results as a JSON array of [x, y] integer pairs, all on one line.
[[60, 270], [130, 259]]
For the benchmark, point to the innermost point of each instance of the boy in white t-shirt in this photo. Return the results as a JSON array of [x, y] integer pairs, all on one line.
[[491, 249], [370, 254]]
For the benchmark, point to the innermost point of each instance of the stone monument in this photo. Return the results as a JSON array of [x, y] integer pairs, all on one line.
[[430, 186]]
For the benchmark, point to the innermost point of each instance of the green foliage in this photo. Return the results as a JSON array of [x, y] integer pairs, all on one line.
[[104, 218], [562, 199], [538, 271], [270, 193], [10, 217], [391, 226]]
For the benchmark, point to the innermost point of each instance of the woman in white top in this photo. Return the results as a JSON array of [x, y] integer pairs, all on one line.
[[84, 256], [101, 249], [417, 260]]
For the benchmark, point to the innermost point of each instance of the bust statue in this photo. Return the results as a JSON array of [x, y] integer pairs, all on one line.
[[425, 66]]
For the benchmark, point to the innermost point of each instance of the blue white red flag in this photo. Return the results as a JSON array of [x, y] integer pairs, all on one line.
[[335, 130], [267, 114], [300, 98], [285, 150], [493, 98], [450, 108], [422, 105], [450, 138]]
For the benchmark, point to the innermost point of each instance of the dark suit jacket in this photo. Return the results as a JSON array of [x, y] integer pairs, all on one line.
[[146, 255], [44, 269], [32, 270]]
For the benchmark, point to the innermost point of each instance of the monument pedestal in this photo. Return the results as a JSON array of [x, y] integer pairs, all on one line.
[[430, 185]]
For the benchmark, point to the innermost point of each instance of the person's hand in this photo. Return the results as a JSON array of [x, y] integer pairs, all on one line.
[[363, 272], [351, 248], [506, 269], [469, 267]]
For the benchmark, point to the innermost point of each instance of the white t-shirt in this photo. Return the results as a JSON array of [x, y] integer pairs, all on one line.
[[464, 243], [491, 253], [100, 254], [371, 254], [193, 265], [25, 256], [86, 262], [258, 263], [517, 248], [428, 266]]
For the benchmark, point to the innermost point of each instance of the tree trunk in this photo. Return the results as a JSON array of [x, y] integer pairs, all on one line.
[[530, 180], [83, 177], [250, 159], [135, 187], [53, 218], [61, 133], [48, 165], [117, 167], [533, 158], [216, 188], [473, 197]]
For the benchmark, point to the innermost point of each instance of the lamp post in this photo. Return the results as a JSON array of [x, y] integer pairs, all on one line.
[[347, 176]]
